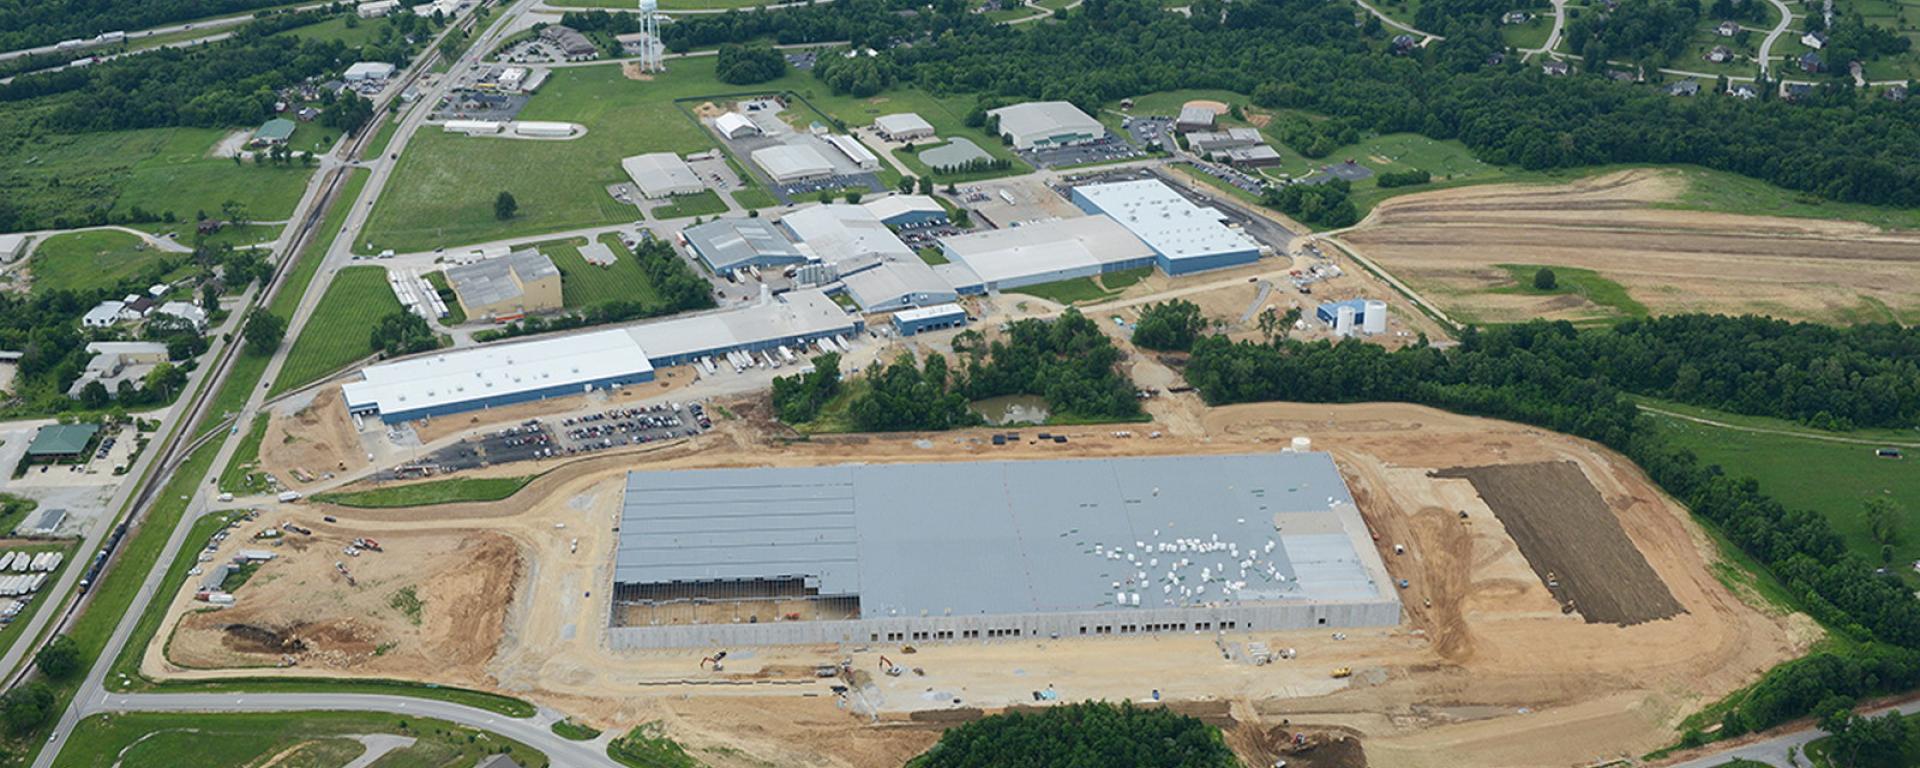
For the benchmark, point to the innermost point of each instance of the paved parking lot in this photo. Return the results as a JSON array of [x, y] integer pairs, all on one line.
[[548, 438], [807, 191], [1108, 148], [1151, 131]]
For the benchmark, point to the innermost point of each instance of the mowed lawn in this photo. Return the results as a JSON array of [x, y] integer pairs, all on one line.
[[584, 285], [158, 170], [1848, 474], [341, 328], [443, 191], [86, 261], [198, 740]]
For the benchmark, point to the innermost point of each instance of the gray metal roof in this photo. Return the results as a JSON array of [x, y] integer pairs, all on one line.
[[731, 243], [1010, 536], [491, 281]]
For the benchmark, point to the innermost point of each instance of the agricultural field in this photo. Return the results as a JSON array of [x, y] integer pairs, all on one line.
[[92, 260], [340, 329], [290, 739], [1781, 455], [1626, 228], [1609, 300], [157, 170], [584, 285]]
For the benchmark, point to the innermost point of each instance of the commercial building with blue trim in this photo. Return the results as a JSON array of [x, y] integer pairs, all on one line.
[[491, 376], [912, 321], [1185, 238]]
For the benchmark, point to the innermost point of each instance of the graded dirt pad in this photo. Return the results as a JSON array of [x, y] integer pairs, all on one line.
[[1485, 670], [313, 441], [1446, 245], [297, 607], [1216, 107], [1572, 540]]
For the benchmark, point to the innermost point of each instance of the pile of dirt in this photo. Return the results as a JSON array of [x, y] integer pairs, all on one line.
[[312, 443]]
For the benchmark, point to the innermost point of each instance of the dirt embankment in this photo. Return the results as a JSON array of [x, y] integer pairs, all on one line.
[[1448, 243]]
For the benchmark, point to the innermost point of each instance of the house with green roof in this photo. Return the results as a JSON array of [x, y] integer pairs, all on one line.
[[275, 132]]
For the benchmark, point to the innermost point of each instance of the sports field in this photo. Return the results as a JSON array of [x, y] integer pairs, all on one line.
[[1849, 473], [312, 739], [340, 330], [91, 260]]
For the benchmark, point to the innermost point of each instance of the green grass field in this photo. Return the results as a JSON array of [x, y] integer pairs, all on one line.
[[1069, 291], [340, 329], [1849, 473], [449, 491], [1610, 297], [455, 314], [309, 739], [572, 731], [336, 29], [584, 285], [666, 5], [159, 170], [92, 260], [754, 198], [707, 203], [240, 477], [1709, 190], [1532, 34], [385, 127]]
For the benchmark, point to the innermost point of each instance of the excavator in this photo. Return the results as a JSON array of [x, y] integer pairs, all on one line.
[[715, 660], [892, 669]]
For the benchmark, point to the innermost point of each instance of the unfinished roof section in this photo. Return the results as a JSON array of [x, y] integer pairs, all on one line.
[[1011, 536]]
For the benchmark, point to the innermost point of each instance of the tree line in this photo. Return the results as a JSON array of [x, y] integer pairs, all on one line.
[[1091, 733], [1843, 144], [33, 23], [679, 289], [1553, 376]]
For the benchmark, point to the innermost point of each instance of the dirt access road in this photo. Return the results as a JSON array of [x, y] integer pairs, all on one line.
[[1485, 671], [1446, 244]]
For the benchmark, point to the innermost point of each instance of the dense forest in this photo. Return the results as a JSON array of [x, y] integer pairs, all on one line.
[[1553, 376], [1093, 733], [1066, 361], [1841, 144], [33, 23]]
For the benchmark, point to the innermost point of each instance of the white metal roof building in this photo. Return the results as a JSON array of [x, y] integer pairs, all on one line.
[[1000, 549], [906, 210], [369, 70], [729, 244], [792, 318], [499, 374], [1185, 238], [912, 321], [1042, 253], [792, 162], [854, 151], [662, 174], [1047, 124], [734, 125], [838, 233], [897, 282], [904, 126]]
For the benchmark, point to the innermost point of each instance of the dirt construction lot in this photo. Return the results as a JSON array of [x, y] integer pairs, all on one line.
[[1486, 670], [1446, 245]]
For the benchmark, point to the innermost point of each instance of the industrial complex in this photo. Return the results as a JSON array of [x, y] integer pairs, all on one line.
[[1000, 549], [490, 376]]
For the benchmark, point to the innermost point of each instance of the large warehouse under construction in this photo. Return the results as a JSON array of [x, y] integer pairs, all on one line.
[[988, 550]]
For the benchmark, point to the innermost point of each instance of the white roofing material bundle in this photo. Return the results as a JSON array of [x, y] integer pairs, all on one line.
[[661, 174]]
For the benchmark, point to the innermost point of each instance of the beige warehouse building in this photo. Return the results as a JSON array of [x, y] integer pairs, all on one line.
[[523, 282]]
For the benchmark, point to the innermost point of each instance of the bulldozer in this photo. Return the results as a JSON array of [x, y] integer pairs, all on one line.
[[1342, 672]]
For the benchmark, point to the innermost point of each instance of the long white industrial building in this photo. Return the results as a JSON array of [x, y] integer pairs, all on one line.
[[493, 375]]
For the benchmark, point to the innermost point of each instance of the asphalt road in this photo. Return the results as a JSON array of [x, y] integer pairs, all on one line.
[[1766, 46]]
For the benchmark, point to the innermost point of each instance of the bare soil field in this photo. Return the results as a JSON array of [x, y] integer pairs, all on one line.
[[1485, 670], [1572, 541], [301, 447], [1446, 244]]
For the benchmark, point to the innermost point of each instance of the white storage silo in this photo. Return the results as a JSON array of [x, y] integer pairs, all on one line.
[[1343, 320], [1302, 444], [1374, 319]]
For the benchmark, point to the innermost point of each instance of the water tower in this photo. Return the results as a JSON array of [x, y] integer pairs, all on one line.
[[651, 48]]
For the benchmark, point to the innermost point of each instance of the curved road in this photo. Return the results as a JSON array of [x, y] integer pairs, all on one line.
[[1766, 46], [535, 732], [1396, 24], [1553, 36]]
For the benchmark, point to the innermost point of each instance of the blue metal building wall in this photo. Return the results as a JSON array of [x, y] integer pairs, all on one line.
[[911, 327], [1203, 263]]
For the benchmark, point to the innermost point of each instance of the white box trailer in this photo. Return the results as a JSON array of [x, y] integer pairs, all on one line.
[[21, 561]]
